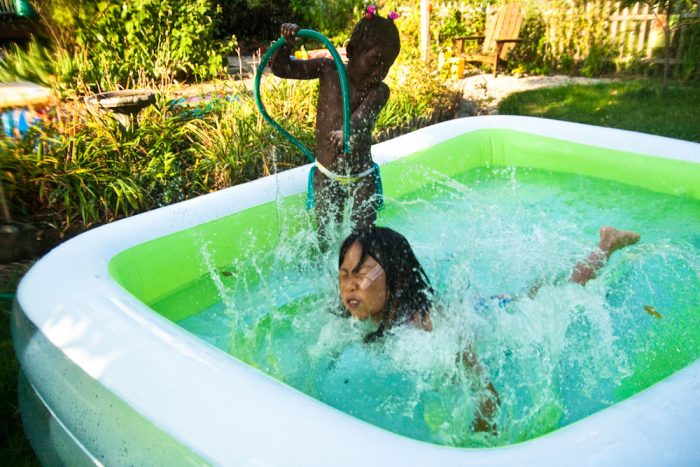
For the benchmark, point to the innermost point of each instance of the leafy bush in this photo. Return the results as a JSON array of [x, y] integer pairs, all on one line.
[[572, 36], [568, 36], [261, 19], [255, 19], [452, 27], [82, 169], [529, 55], [690, 61], [447, 21], [417, 99], [30, 64], [332, 18], [108, 44]]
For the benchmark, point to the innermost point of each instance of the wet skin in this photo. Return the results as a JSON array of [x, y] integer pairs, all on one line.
[[362, 286], [368, 95]]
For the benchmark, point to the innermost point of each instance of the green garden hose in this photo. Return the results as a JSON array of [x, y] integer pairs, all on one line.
[[344, 88], [7, 296]]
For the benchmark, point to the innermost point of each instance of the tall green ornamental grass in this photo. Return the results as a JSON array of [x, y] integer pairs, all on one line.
[[416, 98], [32, 63], [233, 143], [81, 168]]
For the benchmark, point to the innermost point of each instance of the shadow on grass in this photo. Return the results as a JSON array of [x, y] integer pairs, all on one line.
[[629, 105], [15, 449]]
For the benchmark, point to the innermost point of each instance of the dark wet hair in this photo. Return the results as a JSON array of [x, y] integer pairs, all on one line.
[[408, 287], [373, 31]]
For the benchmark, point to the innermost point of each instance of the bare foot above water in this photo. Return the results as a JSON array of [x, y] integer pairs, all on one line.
[[612, 239]]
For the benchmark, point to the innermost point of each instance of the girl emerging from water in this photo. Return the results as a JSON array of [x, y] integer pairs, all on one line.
[[381, 279], [372, 49]]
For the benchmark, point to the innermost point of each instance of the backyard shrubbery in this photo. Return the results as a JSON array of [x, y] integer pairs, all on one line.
[[82, 168], [91, 46], [574, 37]]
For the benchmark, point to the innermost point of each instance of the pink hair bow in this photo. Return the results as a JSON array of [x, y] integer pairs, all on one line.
[[371, 10]]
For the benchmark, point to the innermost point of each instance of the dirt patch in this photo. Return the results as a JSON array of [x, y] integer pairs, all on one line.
[[482, 93]]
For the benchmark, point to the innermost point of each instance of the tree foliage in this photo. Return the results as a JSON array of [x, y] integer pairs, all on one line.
[[261, 19], [110, 43], [664, 8]]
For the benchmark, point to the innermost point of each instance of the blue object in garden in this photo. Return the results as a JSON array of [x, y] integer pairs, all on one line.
[[14, 122], [200, 110]]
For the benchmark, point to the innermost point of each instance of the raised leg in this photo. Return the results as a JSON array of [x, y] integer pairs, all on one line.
[[611, 240]]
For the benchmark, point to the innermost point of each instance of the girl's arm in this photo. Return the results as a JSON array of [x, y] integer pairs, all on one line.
[[488, 405], [365, 116], [283, 66]]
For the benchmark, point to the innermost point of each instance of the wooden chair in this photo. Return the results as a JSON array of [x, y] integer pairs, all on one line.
[[501, 34]]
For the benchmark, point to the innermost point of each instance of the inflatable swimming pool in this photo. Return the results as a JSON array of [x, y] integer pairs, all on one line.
[[109, 378]]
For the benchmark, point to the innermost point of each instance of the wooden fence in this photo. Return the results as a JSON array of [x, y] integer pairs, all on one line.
[[638, 32], [635, 32]]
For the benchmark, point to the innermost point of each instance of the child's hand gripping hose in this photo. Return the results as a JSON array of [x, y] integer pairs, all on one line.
[[343, 88]]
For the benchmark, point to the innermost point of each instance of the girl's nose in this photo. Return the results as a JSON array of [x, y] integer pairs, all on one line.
[[349, 284]]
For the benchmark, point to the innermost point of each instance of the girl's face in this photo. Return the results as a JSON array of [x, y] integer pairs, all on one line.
[[369, 67], [362, 287]]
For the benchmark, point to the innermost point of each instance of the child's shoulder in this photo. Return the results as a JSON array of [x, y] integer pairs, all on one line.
[[380, 92], [326, 64]]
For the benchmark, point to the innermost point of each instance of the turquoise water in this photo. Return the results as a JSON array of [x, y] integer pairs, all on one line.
[[554, 358]]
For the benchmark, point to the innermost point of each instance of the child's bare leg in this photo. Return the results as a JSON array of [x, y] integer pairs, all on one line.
[[611, 240], [329, 206], [364, 209]]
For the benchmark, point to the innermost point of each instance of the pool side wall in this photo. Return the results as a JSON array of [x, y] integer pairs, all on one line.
[[77, 317]]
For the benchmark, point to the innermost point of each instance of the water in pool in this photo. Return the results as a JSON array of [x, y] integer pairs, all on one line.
[[554, 358]]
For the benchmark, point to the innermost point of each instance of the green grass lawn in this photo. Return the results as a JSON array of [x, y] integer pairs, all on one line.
[[629, 105]]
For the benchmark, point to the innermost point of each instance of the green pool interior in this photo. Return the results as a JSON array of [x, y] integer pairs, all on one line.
[[488, 212]]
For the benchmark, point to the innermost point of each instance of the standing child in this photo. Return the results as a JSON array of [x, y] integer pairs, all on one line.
[[372, 49]]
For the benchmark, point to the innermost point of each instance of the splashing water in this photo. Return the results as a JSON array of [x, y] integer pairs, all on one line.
[[554, 358]]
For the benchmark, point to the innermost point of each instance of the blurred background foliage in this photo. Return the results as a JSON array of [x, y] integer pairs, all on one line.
[[86, 46]]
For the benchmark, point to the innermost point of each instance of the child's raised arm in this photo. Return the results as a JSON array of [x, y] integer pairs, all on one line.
[[364, 117], [283, 66]]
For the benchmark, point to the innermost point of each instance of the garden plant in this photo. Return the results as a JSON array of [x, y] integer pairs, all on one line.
[[80, 168]]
